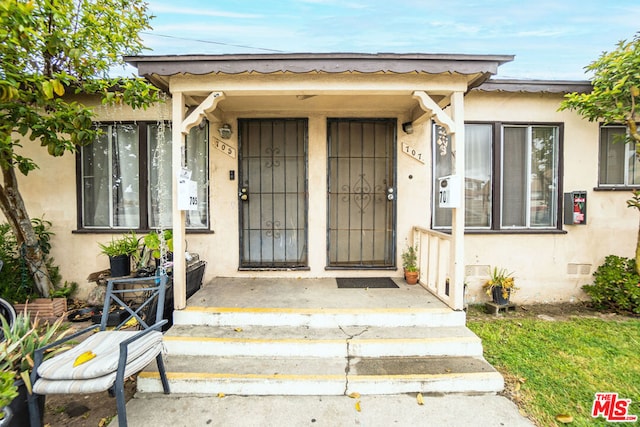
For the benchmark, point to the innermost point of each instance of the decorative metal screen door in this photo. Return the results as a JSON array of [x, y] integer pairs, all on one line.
[[273, 193], [361, 193]]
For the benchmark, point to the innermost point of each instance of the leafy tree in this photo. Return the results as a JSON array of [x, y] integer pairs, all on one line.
[[614, 99], [49, 51]]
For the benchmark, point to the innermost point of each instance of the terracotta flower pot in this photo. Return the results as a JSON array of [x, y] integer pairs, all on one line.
[[411, 277]]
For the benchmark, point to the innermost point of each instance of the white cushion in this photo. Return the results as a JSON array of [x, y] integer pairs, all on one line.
[[94, 385], [106, 346]]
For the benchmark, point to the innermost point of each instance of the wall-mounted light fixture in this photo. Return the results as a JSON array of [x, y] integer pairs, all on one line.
[[407, 127], [225, 131]]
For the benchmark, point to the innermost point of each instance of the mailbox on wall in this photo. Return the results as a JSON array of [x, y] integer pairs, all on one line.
[[575, 208], [449, 191]]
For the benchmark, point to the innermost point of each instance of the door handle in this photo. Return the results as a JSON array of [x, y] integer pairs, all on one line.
[[244, 194]]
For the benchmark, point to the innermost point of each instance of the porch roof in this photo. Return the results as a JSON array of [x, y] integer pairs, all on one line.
[[159, 68], [535, 86]]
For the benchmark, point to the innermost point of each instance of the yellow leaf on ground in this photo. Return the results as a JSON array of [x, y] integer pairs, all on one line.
[[131, 323], [238, 329], [564, 418], [420, 399], [355, 395], [358, 406], [220, 395], [84, 358]]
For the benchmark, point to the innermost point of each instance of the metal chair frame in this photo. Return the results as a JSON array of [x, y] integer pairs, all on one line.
[[117, 297]]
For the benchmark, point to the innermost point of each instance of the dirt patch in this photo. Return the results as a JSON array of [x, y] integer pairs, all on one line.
[[89, 410], [558, 311]]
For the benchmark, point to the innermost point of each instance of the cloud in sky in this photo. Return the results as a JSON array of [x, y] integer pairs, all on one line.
[[551, 39]]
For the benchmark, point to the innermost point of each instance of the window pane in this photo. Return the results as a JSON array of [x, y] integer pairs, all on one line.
[[544, 170], [159, 143], [443, 166], [514, 176], [96, 182], [478, 153], [126, 193], [198, 163], [634, 166], [612, 155], [110, 179]]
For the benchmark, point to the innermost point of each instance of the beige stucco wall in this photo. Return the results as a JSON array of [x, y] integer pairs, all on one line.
[[542, 262], [545, 265]]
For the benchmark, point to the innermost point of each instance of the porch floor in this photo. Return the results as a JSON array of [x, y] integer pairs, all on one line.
[[320, 293]]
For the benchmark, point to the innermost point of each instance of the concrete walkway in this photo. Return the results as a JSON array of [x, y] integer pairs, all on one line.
[[392, 410]]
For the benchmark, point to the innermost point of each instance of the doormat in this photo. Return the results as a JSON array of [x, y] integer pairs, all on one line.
[[365, 282]]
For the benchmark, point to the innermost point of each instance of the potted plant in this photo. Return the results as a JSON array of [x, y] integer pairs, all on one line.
[[159, 241], [119, 252], [8, 392], [18, 349], [500, 285], [410, 265]]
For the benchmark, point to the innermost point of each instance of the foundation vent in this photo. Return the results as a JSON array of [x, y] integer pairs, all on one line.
[[578, 269]]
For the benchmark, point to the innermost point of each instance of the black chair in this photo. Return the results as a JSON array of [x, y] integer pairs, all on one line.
[[118, 352]]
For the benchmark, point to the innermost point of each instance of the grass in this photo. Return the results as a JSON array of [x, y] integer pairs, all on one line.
[[554, 368]]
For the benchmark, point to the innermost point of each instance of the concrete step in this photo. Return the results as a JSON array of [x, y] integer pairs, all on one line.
[[304, 341], [318, 317], [322, 376]]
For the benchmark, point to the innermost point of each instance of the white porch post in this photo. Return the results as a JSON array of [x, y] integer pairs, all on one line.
[[457, 224], [180, 129], [178, 217]]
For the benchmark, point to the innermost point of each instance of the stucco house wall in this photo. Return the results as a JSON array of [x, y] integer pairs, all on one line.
[[552, 267], [548, 267]]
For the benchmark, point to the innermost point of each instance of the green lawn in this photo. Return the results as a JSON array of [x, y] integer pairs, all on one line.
[[556, 367]]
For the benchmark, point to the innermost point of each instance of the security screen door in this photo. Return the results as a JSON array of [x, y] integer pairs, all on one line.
[[273, 193], [361, 193]]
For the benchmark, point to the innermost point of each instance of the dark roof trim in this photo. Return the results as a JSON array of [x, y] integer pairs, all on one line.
[[535, 86], [167, 65]]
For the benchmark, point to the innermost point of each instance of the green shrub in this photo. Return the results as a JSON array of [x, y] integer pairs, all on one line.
[[616, 286], [16, 282]]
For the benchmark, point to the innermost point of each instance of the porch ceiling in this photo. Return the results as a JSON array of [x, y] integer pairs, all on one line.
[[316, 103]]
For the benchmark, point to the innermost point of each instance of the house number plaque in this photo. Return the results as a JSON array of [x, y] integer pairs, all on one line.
[[225, 148], [412, 152]]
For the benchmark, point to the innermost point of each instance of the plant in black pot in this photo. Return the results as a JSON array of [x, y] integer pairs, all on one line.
[[8, 392], [500, 285], [119, 252], [21, 341], [160, 245]]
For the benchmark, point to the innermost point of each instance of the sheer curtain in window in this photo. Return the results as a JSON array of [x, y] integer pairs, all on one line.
[[543, 203], [110, 179], [515, 168], [96, 181], [478, 182], [159, 145], [612, 155], [197, 161], [126, 177], [443, 166]]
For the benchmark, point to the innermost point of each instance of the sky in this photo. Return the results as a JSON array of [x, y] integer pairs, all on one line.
[[551, 39]]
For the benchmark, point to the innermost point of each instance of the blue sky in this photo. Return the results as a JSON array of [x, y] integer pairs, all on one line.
[[551, 39]]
